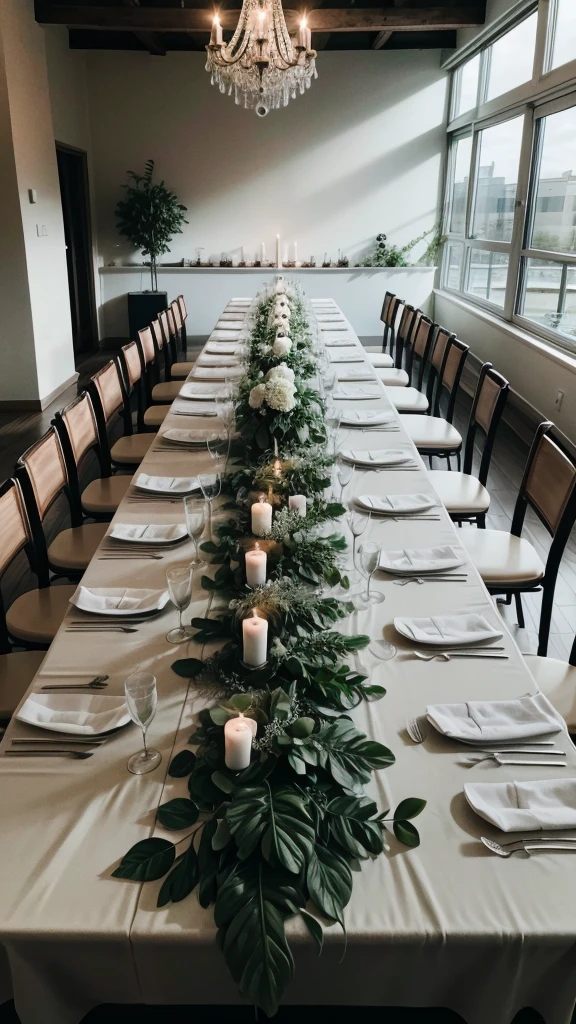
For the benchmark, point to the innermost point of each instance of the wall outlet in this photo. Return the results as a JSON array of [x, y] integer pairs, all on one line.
[[41, 230], [559, 400]]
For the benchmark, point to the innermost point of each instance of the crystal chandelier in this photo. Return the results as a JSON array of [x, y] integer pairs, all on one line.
[[261, 64]]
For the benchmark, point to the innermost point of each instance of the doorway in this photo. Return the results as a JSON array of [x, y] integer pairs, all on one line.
[[73, 175]]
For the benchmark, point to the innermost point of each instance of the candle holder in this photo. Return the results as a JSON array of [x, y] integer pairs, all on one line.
[[257, 263], [253, 668]]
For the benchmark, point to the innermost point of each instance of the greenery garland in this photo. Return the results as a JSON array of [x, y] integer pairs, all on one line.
[[265, 843]]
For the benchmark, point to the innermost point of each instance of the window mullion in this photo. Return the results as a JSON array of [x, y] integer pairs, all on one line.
[[472, 184], [542, 51], [518, 227]]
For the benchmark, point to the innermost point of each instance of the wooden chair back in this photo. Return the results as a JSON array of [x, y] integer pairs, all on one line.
[[455, 353], [419, 348], [77, 429], [15, 537], [407, 318], [488, 405]]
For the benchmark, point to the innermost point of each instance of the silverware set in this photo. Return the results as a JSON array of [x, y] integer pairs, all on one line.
[[530, 843], [98, 683], [501, 758], [103, 625], [446, 577], [427, 654], [75, 755]]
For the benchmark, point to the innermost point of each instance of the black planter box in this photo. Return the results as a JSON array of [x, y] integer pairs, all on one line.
[[143, 307]]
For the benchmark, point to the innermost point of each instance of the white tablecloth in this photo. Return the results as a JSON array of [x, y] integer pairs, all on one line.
[[448, 924]]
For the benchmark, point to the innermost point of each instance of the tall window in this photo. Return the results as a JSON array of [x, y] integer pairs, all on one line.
[[510, 216]]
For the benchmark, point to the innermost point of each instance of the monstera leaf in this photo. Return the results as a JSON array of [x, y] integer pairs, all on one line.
[[275, 819]]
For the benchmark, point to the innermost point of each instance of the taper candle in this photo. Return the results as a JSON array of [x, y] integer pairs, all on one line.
[[255, 567], [261, 514], [298, 502], [278, 253], [238, 735], [262, 252], [255, 640]]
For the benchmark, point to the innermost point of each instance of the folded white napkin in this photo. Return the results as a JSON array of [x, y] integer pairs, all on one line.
[[194, 438], [215, 372], [231, 315], [330, 318], [349, 393], [345, 357], [198, 409], [338, 336], [224, 335], [525, 806], [396, 503], [209, 359], [199, 390], [379, 457], [148, 533], [366, 417], [118, 600], [220, 348], [230, 325], [442, 630], [420, 560], [241, 300], [495, 721], [350, 375], [176, 485], [78, 714]]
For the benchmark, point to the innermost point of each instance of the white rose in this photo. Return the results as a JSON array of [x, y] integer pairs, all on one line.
[[278, 322], [280, 395], [257, 396], [281, 346], [281, 372], [264, 349]]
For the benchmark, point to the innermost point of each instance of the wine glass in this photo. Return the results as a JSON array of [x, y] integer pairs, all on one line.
[[195, 513], [357, 521], [370, 560], [141, 700], [179, 580], [210, 484], [217, 444], [333, 420], [345, 472]]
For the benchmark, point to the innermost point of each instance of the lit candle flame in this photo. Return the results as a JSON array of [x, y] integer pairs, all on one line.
[[304, 23], [257, 546], [216, 20]]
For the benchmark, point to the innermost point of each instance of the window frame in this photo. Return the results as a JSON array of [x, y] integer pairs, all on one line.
[[549, 91]]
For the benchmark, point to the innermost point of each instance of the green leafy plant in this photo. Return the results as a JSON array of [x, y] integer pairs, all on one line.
[[149, 216], [384, 255]]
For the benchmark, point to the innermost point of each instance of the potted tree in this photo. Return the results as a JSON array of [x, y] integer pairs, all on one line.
[[149, 216]]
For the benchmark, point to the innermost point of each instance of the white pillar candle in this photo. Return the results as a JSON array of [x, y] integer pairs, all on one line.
[[242, 260], [280, 285], [238, 735], [298, 502], [295, 252], [216, 35], [278, 253], [302, 33], [262, 252], [255, 640], [255, 567], [261, 517]]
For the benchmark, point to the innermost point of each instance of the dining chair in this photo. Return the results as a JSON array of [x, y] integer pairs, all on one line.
[[463, 495], [42, 474], [435, 435], [169, 389], [77, 428], [397, 376], [152, 416], [383, 355], [33, 616], [507, 562], [181, 369], [557, 681], [411, 398], [183, 318], [111, 401]]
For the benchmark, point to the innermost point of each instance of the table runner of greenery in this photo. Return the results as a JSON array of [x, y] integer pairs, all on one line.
[[266, 843]]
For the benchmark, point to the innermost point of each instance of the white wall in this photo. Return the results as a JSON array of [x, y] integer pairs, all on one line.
[[35, 164], [68, 89], [358, 154]]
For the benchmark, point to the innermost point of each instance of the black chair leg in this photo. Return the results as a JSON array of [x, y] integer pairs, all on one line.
[[519, 609], [481, 521], [458, 461], [545, 618]]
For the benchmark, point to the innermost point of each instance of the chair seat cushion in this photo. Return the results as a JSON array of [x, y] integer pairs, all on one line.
[[167, 391], [380, 359], [393, 378], [130, 450], [155, 415], [557, 681], [74, 549], [16, 673], [103, 496], [502, 558], [408, 400], [431, 432], [459, 492], [36, 616], [180, 370]]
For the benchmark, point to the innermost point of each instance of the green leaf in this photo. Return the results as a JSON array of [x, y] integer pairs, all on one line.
[[220, 715], [181, 880], [315, 929], [276, 819], [182, 764], [241, 701], [222, 836], [406, 833], [329, 882], [409, 808], [147, 860], [348, 818], [224, 782], [188, 668], [351, 757], [178, 813], [208, 864]]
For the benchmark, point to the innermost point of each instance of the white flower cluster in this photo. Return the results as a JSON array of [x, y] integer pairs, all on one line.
[[281, 346], [278, 390]]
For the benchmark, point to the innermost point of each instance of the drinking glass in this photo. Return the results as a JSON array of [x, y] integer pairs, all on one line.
[[179, 580], [210, 484], [195, 513], [217, 444], [333, 420], [141, 700], [369, 560], [357, 521], [345, 472]]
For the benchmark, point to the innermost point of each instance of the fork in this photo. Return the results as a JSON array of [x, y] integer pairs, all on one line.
[[485, 652], [95, 741], [525, 845], [76, 755], [417, 728], [101, 629], [500, 761], [448, 578], [96, 684]]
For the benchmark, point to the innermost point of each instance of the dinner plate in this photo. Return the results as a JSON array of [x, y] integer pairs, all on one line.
[[119, 601], [196, 391], [176, 485], [187, 438], [74, 714], [149, 533], [395, 504], [407, 562], [366, 418]]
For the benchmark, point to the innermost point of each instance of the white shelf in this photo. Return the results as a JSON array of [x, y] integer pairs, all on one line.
[[135, 268]]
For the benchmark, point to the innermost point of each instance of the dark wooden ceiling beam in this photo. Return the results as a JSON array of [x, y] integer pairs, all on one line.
[[174, 19], [150, 40]]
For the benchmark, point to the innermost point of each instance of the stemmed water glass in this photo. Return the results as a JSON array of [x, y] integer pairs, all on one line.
[[357, 521], [217, 444], [345, 472], [370, 560], [179, 580], [141, 700], [195, 513], [333, 420], [210, 484]]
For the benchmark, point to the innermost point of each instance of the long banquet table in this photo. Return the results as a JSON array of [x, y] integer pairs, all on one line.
[[447, 924]]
